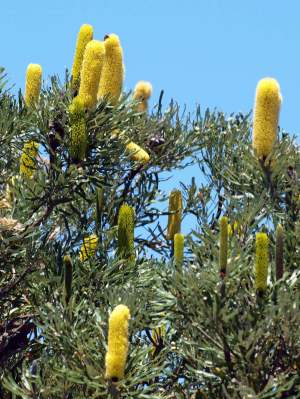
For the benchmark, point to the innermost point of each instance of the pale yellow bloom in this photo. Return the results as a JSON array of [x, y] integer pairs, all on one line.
[[142, 93], [116, 356], [33, 84], [85, 35], [91, 71], [136, 153], [266, 115], [112, 76]]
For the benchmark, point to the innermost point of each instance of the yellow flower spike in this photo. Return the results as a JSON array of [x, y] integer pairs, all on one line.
[[229, 231], [89, 247], [142, 92], [28, 159], [85, 35], [92, 64], [266, 115], [175, 213], [126, 232], [136, 153], [116, 356], [223, 250], [33, 84], [178, 248], [78, 133], [261, 261], [112, 76]]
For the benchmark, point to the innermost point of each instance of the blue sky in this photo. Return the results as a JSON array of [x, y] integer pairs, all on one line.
[[210, 52]]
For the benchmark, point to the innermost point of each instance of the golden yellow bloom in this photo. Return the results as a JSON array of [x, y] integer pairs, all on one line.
[[142, 92], [178, 248], [91, 71], [33, 84], [261, 261], [85, 35], [89, 247], [28, 158], [266, 115], [175, 213], [136, 153], [223, 251], [116, 356], [78, 133], [112, 76]]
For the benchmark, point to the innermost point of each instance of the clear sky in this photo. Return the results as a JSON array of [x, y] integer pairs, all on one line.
[[210, 52]]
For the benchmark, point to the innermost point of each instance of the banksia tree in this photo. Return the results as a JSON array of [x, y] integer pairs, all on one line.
[[85, 35], [191, 334], [92, 64], [78, 132], [112, 76], [175, 214], [126, 232], [261, 262], [117, 346], [142, 92], [33, 84], [266, 116]]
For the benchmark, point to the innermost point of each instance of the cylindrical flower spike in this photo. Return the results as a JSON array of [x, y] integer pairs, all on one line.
[[136, 153], [85, 35], [279, 251], [266, 116], [92, 64], [78, 133], [99, 206], [33, 84], [142, 92], [223, 251], [89, 247], [126, 232], [112, 76], [116, 356], [28, 158], [178, 248], [261, 261], [175, 213], [68, 277]]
